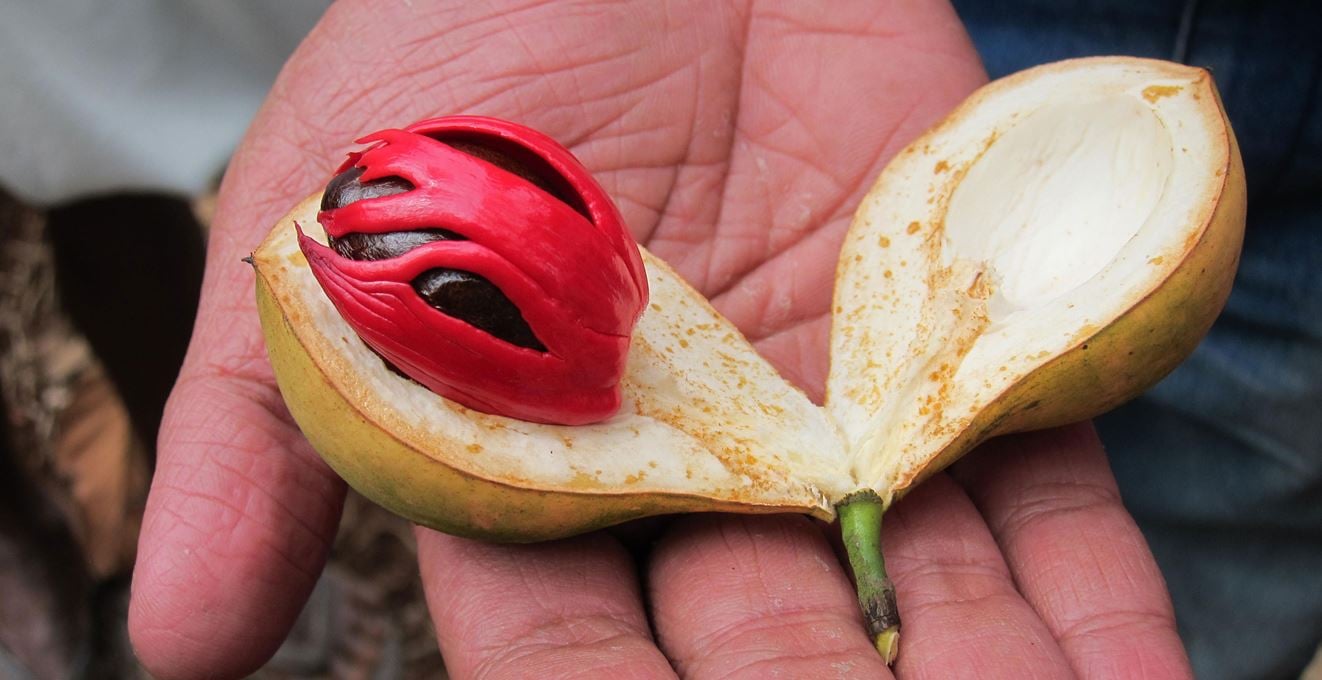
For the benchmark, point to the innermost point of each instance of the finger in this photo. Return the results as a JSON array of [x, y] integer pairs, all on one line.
[[564, 609], [757, 597], [961, 614], [237, 528], [241, 511], [1075, 552]]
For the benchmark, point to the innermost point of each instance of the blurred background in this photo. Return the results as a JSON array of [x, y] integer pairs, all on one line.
[[116, 120]]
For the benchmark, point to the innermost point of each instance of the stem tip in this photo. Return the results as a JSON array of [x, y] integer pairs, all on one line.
[[888, 644]]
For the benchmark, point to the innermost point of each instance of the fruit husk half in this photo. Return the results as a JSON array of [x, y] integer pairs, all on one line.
[[706, 425], [1056, 245]]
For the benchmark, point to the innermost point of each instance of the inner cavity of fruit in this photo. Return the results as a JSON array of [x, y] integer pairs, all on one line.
[[1054, 199]]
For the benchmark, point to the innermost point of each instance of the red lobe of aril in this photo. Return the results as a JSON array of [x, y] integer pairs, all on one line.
[[566, 261]]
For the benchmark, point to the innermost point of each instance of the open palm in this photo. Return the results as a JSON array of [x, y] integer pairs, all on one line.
[[736, 139]]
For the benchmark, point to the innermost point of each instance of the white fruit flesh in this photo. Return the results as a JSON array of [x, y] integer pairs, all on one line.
[[1043, 209]]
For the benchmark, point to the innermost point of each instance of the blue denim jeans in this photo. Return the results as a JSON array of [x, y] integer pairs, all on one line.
[[1221, 463]]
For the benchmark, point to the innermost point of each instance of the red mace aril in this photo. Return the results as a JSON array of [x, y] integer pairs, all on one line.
[[479, 258]]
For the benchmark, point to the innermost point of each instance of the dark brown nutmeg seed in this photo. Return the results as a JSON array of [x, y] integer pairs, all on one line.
[[345, 188], [360, 246], [525, 165], [462, 295], [477, 301]]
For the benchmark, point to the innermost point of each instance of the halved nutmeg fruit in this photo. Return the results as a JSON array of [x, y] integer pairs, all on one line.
[[1054, 246]]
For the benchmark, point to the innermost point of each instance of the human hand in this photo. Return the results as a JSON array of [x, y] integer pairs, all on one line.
[[737, 140]]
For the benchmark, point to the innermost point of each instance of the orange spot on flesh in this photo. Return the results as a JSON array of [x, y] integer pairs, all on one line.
[[1154, 92]]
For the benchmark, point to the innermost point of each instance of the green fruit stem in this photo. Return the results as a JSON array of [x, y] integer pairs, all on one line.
[[860, 525]]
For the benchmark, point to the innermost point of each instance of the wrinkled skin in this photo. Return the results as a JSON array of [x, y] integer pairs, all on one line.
[[736, 141]]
